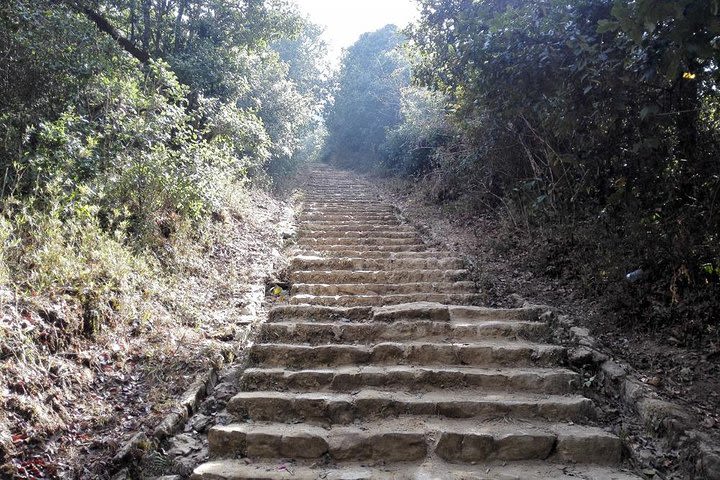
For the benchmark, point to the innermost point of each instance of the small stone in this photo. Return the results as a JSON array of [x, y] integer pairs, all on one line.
[[183, 445], [709, 422], [655, 381]]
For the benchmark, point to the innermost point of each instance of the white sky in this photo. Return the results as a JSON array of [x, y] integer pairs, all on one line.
[[346, 20]]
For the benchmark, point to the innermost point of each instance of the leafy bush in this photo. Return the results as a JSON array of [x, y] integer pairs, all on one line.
[[111, 156], [413, 146], [573, 112]]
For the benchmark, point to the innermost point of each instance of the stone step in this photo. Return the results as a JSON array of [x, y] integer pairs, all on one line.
[[413, 439], [323, 408], [329, 224], [488, 353], [314, 333], [376, 300], [430, 470], [310, 218], [360, 241], [384, 264], [348, 249], [323, 289], [413, 378], [378, 276], [349, 228], [328, 234], [345, 201], [409, 311], [377, 254], [348, 209], [288, 313]]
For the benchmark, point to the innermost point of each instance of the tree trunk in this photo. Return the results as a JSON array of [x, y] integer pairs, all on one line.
[[105, 26], [146, 10], [178, 23]]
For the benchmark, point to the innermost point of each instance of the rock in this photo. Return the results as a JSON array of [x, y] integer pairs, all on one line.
[[516, 300], [664, 417], [655, 381], [6, 444], [711, 466], [171, 423], [134, 448], [613, 371], [199, 423], [632, 391], [183, 445]]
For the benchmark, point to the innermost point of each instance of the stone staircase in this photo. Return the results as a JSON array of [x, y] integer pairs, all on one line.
[[380, 367]]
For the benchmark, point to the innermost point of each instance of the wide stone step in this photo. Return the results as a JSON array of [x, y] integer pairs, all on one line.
[[364, 200], [406, 440], [346, 224], [364, 239], [437, 469], [347, 217], [347, 209], [486, 354], [377, 300], [343, 409], [440, 262], [287, 313], [351, 241], [381, 288], [408, 311], [349, 249], [413, 378], [353, 227], [328, 234], [315, 333], [386, 255], [378, 276]]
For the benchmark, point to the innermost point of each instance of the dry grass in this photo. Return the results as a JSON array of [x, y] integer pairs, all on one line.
[[68, 399]]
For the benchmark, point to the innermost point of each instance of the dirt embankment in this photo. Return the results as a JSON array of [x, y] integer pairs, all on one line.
[[67, 401]]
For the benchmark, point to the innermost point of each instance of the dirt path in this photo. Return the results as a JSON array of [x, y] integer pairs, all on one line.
[[378, 367]]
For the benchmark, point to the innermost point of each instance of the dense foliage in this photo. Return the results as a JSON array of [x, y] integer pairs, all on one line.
[[367, 99], [598, 118], [126, 124]]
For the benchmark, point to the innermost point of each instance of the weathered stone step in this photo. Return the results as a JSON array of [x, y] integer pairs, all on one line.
[[311, 217], [359, 333], [457, 441], [323, 408], [288, 313], [347, 209], [376, 300], [486, 354], [349, 249], [409, 311], [378, 276], [363, 200], [375, 233], [377, 254], [358, 241], [387, 264], [354, 227], [413, 379], [381, 288], [322, 222], [241, 470]]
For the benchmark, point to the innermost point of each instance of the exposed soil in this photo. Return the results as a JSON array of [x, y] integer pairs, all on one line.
[[64, 414], [507, 262]]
